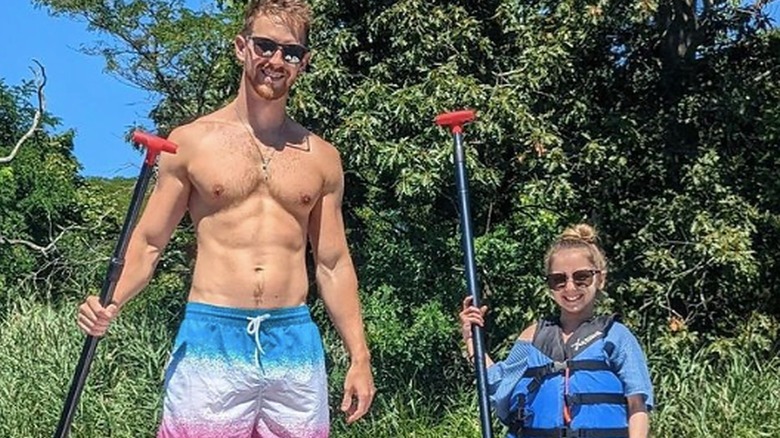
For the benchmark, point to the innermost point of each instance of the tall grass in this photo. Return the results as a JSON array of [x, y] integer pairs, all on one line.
[[409, 414], [731, 395], [700, 395], [39, 349]]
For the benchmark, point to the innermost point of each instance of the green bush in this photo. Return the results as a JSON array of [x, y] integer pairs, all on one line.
[[586, 113]]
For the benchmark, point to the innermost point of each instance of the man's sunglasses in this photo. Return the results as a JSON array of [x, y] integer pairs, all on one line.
[[291, 53], [581, 279]]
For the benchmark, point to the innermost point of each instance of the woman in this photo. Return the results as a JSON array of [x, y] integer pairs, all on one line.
[[573, 374]]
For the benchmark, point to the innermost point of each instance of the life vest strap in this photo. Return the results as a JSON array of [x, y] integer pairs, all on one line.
[[573, 365], [564, 432], [589, 365], [594, 398], [540, 372]]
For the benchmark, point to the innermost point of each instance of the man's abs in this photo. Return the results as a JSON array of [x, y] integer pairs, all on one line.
[[250, 258], [250, 279]]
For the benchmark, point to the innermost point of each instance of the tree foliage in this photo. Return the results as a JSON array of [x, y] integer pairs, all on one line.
[[37, 187], [657, 121]]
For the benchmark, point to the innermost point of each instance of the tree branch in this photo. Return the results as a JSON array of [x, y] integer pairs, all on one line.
[[41, 80], [34, 246], [52, 244]]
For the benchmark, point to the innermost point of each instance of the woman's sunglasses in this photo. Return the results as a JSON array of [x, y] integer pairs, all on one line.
[[581, 279], [291, 53]]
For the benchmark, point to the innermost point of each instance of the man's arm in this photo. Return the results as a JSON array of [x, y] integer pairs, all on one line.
[[337, 284], [165, 208]]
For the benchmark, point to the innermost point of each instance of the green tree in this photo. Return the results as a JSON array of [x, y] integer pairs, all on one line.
[[38, 182], [656, 121]]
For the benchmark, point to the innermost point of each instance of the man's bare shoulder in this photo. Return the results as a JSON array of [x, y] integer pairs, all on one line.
[[326, 155], [324, 147], [201, 131], [304, 139], [330, 160]]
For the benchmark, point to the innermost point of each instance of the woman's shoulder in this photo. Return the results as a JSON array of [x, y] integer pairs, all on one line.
[[530, 332], [527, 335], [618, 329], [622, 337]]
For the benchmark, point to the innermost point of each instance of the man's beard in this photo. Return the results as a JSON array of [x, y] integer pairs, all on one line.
[[267, 91]]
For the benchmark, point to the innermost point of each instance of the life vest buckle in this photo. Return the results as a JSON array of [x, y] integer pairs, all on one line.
[[571, 433], [557, 367]]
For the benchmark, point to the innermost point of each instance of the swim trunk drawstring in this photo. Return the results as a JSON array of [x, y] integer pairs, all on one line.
[[253, 328]]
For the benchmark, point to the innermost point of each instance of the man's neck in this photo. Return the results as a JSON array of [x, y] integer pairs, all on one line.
[[264, 117]]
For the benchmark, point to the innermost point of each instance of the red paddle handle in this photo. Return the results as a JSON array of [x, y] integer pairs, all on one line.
[[455, 120], [154, 145]]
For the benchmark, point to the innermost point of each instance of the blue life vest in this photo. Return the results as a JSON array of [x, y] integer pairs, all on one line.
[[570, 389]]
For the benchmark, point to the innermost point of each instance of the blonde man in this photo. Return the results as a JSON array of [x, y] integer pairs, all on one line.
[[248, 360]]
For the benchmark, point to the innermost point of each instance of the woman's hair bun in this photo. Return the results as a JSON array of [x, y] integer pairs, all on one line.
[[583, 232]]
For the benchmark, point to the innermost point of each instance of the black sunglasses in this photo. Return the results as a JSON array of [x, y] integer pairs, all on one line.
[[291, 53], [581, 279]]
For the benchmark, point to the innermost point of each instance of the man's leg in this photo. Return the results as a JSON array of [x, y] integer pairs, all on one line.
[[294, 394], [211, 382]]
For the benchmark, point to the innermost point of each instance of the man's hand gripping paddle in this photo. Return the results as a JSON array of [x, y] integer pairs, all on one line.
[[154, 146], [454, 121]]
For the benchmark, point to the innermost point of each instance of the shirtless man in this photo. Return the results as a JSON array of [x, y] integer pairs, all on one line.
[[247, 360]]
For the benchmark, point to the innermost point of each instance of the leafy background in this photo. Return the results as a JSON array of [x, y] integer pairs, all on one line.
[[656, 121]]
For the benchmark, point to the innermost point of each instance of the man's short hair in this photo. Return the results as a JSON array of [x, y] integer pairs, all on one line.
[[294, 13]]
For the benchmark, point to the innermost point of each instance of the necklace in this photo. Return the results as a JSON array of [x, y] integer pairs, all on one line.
[[266, 161]]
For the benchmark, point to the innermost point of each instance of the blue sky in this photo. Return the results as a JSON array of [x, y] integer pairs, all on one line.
[[98, 106]]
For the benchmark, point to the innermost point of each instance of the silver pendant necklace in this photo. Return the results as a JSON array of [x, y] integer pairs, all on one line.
[[266, 161]]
